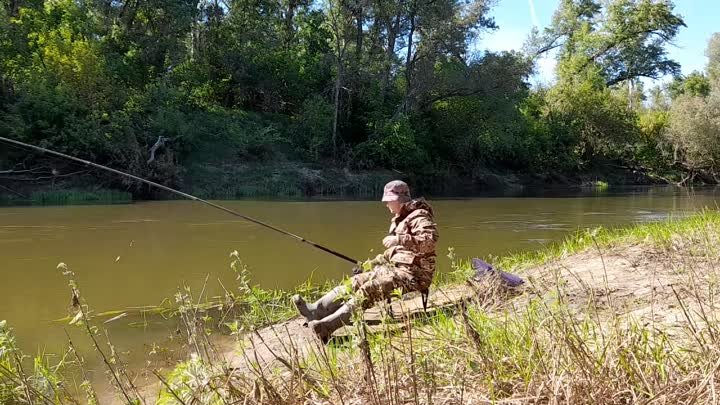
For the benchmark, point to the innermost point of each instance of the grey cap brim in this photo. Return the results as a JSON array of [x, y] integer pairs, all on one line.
[[393, 197]]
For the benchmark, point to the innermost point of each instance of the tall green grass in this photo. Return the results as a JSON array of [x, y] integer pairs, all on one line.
[[69, 197], [658, 233], [79, 197]]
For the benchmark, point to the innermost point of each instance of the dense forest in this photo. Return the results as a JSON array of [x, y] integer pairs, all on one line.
[[233, 98]]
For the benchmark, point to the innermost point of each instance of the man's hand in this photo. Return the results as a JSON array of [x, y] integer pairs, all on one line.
[[390, 241]]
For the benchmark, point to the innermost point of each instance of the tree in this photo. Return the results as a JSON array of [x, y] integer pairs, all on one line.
[[624, 39], [438, 32], [695, 132], [340, 26], [371, 83], [713, 54], [5, 54], [603, 49], [659, 99], [695, 117], [695, 84], [473, 115], [594, 116]]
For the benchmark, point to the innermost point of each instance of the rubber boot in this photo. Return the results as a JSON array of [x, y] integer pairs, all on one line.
[[325, 327], [323, 307]]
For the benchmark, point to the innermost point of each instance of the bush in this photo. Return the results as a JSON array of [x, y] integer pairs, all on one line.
[[598, 120], [394, 145], [694, 131], [313, 127]]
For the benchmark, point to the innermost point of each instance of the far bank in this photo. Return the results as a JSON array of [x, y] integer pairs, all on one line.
[[299, 181]]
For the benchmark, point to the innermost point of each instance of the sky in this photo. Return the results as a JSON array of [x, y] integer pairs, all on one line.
[[516, 18]]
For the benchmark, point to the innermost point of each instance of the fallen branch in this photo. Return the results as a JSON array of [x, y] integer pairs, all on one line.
[[13, 191], [158, 144]]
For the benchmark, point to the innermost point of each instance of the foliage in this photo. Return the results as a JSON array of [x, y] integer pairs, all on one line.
[[313, 127], [713, 54], [394, 145], [43, 385], [595, 118], [621, 40], [161, 89], [695, 84], [603, 50], [695, 131]]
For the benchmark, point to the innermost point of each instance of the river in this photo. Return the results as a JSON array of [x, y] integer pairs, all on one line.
[[141, 253]]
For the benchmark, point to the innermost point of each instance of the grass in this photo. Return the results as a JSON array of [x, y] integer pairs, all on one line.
[[71, 197], [77, 197], [658, 233], [601, 185], [499, 347]]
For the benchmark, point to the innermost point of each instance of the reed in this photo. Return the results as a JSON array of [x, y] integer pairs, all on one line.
[[79, 197]]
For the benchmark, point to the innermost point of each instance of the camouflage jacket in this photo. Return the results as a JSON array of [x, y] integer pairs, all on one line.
[[417, 235]]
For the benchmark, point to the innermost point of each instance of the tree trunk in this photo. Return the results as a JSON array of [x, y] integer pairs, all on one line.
[[392, 31], [289, 18], [359, 30], [13, 8], [336, 96], [408, 56], [129, 12], [193, 37], [408, 103]]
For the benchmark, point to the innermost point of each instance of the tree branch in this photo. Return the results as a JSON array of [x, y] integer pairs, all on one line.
[[626, 76], [47, 177], [550, 45], [158, 144], [35, 170], [13, 191]]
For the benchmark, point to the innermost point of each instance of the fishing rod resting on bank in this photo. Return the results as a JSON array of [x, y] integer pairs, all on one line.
[[180, 193]]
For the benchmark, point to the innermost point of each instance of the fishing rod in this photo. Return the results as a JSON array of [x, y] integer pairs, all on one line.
[[180, 193]]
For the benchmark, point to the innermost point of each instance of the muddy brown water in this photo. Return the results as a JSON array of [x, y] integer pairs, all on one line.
[[141, 253]]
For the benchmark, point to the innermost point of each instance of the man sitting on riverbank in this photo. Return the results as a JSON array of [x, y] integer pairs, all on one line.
[[408, 263]]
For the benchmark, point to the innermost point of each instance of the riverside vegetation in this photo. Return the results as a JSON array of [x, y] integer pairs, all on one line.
[[608, 316], [229, 99]]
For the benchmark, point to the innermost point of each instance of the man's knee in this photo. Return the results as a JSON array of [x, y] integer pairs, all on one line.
[[358, 280], [380, 283], [376, 289]]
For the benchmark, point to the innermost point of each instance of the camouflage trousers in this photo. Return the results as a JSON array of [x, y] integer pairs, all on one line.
[[379, 283]]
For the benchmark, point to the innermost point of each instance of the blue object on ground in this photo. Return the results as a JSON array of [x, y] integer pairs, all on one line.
[[482, 268]]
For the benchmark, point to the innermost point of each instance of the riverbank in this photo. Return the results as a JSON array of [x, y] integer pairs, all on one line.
[[606, 317], [297, 180], [621, 316]]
